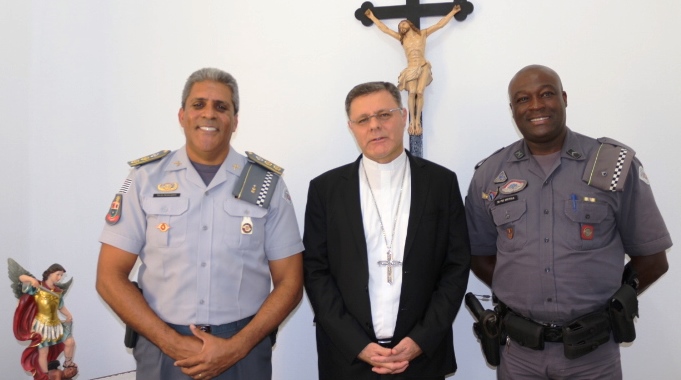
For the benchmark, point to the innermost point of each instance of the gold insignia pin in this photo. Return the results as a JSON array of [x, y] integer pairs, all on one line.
[[170, 186], [177, 163], [235, 166], [253, 189]]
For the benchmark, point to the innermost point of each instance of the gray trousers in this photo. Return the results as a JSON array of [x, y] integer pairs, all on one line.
[[522, 363], [152, 364]]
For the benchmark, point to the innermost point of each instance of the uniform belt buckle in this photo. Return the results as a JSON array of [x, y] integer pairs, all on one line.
[[204, 328], [553, 333]]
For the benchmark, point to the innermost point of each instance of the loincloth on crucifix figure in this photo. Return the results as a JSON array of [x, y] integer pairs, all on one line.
[[417, 75]]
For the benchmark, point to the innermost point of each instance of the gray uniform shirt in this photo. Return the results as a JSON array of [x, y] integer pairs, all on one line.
[[560, 243], [199, 263]]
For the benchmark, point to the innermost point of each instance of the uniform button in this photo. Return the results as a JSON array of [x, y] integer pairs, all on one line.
[[547, 270], [367, 324], [164, 209], [587, 216], [203, 265], [201, 302], [206, 193], [204, 228], [546, 212], [546, 240], [549, 299]]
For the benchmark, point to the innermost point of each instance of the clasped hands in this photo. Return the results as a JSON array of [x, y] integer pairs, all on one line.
[[216, 355], [386, 361]]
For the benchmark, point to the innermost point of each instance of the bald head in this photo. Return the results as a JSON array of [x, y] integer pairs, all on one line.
[[534, 70]]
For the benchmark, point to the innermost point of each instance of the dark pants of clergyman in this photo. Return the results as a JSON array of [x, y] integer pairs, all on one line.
[[522, 363], [152, 364]]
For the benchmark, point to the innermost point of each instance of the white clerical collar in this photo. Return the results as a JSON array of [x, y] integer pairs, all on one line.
[[396, 164]]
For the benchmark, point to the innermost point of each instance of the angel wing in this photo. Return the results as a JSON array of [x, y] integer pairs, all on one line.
[[14, 270]]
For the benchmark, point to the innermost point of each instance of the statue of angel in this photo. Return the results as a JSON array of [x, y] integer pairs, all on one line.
[[37, 319]]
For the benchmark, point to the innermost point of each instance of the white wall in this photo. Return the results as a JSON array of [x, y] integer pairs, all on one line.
[[86, 86]]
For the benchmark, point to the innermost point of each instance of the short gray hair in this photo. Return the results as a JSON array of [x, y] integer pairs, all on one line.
[[370, 88], [215, 75]]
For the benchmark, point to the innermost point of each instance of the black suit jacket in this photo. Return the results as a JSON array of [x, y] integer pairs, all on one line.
[[435, 270]]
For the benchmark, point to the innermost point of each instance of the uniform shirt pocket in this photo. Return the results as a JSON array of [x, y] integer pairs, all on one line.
[[511, 225], [244, 227], [586, 231], [166, 221]]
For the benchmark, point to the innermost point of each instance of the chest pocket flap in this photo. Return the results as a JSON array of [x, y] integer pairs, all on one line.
[[586, 212], [509, 212], [165, 206], [236, 207]]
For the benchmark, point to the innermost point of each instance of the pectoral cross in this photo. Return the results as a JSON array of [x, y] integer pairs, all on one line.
[[390, 263]]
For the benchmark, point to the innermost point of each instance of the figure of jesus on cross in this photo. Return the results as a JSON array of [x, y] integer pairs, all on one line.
[[417, 75]]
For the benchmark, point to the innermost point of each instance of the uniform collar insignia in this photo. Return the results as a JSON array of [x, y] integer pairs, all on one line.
[[519, 154], [574, 154]]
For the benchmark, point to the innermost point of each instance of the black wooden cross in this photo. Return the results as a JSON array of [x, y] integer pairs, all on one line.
[[413, 10]]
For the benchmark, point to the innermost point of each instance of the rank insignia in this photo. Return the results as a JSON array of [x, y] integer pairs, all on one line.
[[513, 186], [587, 232], [509, 233], [519, 154], [573, 154], [167, 187], [163, 227], [150, 158], [501, 178], [247, 226], [485, 196], [114, 214]]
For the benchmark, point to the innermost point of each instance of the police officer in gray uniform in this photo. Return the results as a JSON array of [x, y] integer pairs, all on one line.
[[550, 219], [210, 228]]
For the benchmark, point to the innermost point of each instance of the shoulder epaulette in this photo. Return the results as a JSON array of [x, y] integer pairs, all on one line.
[[608, 140], [150, 158], [265, 163], [257, 181], [608, 167], [485, 159]]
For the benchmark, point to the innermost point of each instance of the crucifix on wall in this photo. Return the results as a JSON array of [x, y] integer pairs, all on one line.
[[417, 75]]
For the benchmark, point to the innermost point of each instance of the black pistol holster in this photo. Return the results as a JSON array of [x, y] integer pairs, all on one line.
[[487, 329], [130, 339], [622, 308]]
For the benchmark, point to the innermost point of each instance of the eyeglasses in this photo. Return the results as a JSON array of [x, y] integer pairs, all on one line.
[[381, 116]]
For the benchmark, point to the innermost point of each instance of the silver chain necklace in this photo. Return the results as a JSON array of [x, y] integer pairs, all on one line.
[[389, 263]]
